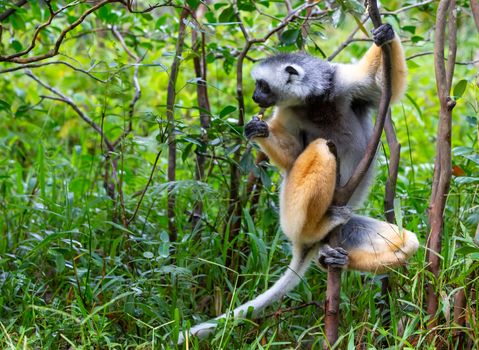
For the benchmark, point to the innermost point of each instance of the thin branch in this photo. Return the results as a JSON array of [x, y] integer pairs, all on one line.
[[12, 10], [37, 65], [457, 63], [136, 84], [394, 156], [348, 40], [61, 97], [53, 52], [129, 6], [150, 178], [118, 35], [419, 55], [406, 8]]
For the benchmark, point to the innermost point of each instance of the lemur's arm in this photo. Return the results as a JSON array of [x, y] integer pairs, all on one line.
[[275, 140], [363, 80]]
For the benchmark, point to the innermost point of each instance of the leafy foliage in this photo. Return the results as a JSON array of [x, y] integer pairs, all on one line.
[[86, 260]]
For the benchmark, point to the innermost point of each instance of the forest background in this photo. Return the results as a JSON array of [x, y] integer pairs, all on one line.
[[132, 205]]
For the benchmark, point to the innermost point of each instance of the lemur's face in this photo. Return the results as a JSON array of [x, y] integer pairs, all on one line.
[[263, 95], [275, 85]]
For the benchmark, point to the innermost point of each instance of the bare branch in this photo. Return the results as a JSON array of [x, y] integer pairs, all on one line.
[[118, 35], [129, 6], [67, 100], [348, 41], [150, 178], [406, 8], [43, 64], [136, 84]]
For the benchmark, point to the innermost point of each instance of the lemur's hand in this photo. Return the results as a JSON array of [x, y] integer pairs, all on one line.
[[335, 257], [383, 34], [256, 128], [340, 215]]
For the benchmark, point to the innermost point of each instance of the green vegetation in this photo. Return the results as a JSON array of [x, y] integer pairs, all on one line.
[[87, 260]]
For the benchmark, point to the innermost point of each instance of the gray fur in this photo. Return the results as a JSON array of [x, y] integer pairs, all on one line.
[[325, 106]]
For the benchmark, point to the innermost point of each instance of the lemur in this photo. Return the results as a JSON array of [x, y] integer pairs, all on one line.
[[317, 100]]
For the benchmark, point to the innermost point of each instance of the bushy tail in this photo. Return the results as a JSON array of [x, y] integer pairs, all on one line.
[[302, 257]]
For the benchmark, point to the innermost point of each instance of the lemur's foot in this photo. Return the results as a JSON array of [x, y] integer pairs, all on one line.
[[334, 257], [383, 34], [256, 128], [340, 215]]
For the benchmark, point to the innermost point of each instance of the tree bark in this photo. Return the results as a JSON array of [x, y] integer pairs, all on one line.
[[200, 65], [442, 166], [343, 194], [170, 102]]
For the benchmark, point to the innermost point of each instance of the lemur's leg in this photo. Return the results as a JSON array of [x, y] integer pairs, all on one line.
[[367, 73], [280, 146], [306, 195], [373, 245]]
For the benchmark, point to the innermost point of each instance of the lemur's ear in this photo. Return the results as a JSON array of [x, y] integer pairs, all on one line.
[[291, 70]]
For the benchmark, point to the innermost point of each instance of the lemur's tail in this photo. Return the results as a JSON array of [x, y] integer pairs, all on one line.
[[302, 257]]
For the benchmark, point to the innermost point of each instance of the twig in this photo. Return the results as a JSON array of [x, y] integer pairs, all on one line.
[[43, 64], [129, 6], [61, 97], [136, 84], [419, 55], [53, 52], [348, 40], [12, 10], [406, 8], [458, 63], [150, 178]]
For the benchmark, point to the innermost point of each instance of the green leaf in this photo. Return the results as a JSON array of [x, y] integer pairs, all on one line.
[[289, 37], [227, 110], [5, 106], [459, 88], [227, 15], [148, 255], [410, 29], [59, 262], [17, 45], [245, 5], [193, 3]]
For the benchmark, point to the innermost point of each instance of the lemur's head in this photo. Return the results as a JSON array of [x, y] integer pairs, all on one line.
[[291, 79]]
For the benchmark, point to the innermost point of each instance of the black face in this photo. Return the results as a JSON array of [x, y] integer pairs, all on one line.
[[263, 95]]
